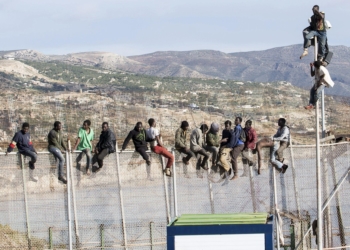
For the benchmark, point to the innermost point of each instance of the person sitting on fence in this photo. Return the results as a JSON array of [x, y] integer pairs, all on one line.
[[317, 28], [138, 136], [213, 142], [57, 147], [24, 144], [84, 143], [322, 80], [180, 142], [105, 146], [198, 148], [249, 146], [157, 146], [280, 142], [236, 142]]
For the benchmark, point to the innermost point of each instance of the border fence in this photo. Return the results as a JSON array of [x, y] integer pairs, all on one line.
[[127, 204]]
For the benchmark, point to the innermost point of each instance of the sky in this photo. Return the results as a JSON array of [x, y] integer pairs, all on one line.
[[134, 27]]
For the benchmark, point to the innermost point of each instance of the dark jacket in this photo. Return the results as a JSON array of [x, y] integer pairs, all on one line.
[[107, 140], [138, 138], [55, 139], [225, 134], [22, 141]]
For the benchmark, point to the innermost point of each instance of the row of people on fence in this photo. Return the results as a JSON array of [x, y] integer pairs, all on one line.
[[204, 143], [58, 147]]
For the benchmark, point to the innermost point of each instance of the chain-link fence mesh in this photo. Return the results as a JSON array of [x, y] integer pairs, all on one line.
[[128, 204]]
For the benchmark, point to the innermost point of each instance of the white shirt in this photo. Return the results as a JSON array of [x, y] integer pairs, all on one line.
[[151, 134], [326, 79]]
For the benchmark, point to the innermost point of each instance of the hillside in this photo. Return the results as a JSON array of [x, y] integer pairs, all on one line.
[[276, 64]]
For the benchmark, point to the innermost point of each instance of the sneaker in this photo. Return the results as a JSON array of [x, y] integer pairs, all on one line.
[[148, 162], [31, 165], [308, 107], [305, 53], [167, 172], [97, 169], [61, 178], [184, 161], [284, 168]]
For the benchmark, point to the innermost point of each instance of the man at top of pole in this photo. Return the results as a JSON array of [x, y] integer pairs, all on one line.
[[317, 28]]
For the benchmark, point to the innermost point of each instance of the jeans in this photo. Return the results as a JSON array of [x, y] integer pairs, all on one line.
[[322, 39], [215, 151], [273, 151], [164, 152], [201, 162], [86, 151], [33, 156], [315, 94], [99, 157], [189, 154], [58, 155]]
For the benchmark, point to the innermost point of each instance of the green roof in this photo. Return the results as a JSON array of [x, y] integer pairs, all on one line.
[[220, 219]]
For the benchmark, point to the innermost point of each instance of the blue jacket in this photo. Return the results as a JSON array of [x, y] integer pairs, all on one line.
[[235, 137]]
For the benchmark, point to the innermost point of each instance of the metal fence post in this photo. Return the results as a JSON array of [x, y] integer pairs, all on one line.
[[70, 173], [69, 204], [151, 233], [166, 189], [50, 238], [121, 198], [174, 186], [26, 203], [102, 236]]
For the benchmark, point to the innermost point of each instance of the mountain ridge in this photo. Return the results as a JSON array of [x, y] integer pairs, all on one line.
[[274, 64]]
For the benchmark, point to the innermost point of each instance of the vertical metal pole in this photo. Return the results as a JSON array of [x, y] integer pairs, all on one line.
[[26, 203], [121, 198], [165, 187], [70, 173], [252, 188], [174, 186], [318, 171], [211, 197], [50, 238], [323, 115], [151, 233], [275, 201], [69, 205], [102, 236]]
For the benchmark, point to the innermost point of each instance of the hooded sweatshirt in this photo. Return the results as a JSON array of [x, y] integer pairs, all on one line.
[[138, 138], [212, 137]]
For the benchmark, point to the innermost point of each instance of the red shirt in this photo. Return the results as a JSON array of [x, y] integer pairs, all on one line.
[[251, 138]]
